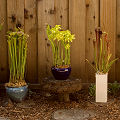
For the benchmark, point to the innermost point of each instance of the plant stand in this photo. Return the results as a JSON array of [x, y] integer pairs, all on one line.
[[62, 87]]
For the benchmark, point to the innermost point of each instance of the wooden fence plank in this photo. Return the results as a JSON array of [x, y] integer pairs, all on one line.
[[15, 13], [3, 43], [91, 23], [118, 41], [41, 42], [62, 13], [31, 29], [46, 16], [108, 24], [77, 20]]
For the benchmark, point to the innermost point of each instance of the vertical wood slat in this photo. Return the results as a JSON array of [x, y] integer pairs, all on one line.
[[62, 13], [118, 41], [108, 24], [15, 13], [3, 43], [45, 16], [92, 21], [77, 21], [41, 42], [31, 29]]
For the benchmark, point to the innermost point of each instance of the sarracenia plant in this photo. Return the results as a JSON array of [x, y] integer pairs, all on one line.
[[17, 46], [60, 42], [102, 54]]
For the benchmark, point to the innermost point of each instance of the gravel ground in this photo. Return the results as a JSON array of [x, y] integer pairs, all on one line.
[[41, 106]]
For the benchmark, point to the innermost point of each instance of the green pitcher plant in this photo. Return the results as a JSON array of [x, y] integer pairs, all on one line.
[[17, 47], [60, 41], [102, 54]]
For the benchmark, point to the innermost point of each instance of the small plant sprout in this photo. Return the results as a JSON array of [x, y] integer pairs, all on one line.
[[92, 90], [60, 42], [17, 46], [102, 54], [114, 88]]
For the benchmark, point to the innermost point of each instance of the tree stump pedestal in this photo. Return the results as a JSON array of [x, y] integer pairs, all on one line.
[[62, 87]]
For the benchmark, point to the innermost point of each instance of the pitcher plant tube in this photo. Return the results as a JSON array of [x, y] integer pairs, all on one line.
[[17, 46], [102, 54], [60, 42]]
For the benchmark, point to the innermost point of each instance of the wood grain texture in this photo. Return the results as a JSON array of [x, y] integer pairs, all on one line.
[[117, 66], [3, 43], [108, 24], [45, 16], [31, 29], [77, 21], [15, 13], [91, 23], [41, 42], [62, 13]]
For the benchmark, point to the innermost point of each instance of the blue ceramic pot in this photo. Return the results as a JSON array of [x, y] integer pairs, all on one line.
[[61, 73], [17, 94]]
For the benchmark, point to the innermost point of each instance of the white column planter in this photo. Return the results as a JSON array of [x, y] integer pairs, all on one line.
[[101, 87]]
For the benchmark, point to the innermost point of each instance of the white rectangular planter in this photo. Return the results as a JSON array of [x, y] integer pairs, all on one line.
[[101, 87]]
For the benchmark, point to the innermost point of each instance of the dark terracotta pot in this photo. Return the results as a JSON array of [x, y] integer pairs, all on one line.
[[61, 73], [17, 94]]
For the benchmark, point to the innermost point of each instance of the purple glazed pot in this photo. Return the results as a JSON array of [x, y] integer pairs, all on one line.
[[61, 73]]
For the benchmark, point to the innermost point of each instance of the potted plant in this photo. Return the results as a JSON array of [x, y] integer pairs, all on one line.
[[103, 64], [17, 45], [60, 42]]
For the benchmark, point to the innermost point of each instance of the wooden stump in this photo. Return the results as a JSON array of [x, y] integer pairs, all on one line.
[[62, 87]]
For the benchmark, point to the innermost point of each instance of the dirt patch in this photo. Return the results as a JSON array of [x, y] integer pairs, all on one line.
[[39, 106]]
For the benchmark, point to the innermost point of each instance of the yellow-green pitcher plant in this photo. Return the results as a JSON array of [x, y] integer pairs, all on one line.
[[60, 42], [17, 47]]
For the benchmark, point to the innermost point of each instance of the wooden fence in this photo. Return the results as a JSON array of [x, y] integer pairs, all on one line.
[[80, 16]]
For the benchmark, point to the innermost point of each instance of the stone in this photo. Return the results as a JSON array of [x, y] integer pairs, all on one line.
[[3, 118], [62, 87], [73, 114]]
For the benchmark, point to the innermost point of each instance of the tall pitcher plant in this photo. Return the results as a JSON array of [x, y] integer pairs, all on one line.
[[60, 42], [17, 46], [102, 53]]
